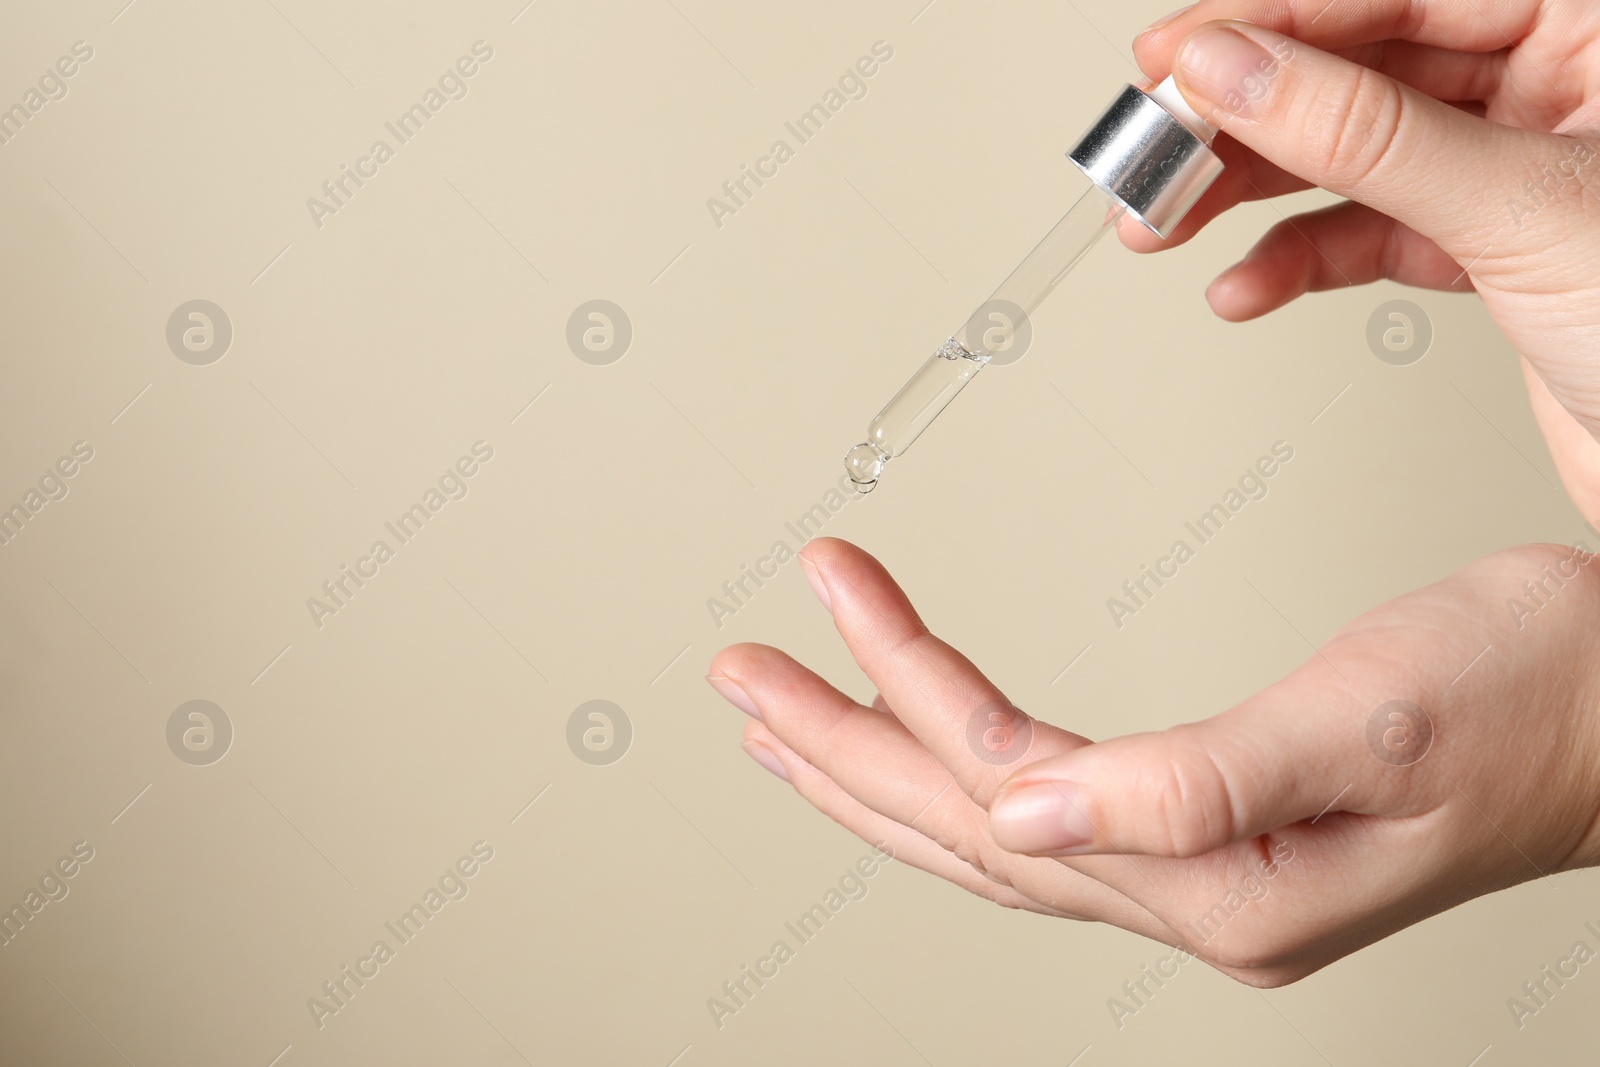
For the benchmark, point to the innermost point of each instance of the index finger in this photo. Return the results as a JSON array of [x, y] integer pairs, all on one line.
[[937, 693]]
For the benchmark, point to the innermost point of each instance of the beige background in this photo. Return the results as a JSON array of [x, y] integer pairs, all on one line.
[[370, 354]]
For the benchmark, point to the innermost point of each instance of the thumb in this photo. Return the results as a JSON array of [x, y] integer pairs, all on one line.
[[1183, 791], [1356, 132]]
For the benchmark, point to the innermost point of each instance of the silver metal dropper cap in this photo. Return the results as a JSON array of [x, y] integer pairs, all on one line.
[[1148, 158]]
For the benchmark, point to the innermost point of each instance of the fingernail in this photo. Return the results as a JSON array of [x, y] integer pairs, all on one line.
[[734, 695], [1226, 68], [818, 586], [1043, 817], [767, 758], [1166, 19]]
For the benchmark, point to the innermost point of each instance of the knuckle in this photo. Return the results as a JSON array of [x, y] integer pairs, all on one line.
[[978, 851], [1361, 120], [950, 840], [970, 854], [1190, 812]]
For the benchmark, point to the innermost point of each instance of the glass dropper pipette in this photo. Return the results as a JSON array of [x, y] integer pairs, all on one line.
[[1149, 156], [988, 332]]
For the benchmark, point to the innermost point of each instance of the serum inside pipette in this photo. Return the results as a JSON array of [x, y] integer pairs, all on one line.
[[958, 361], [917, 403], [1148, 155]]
